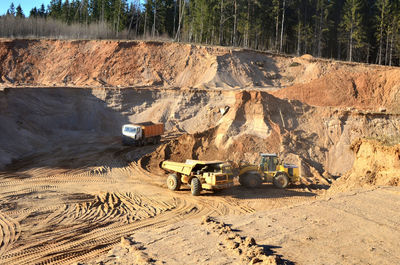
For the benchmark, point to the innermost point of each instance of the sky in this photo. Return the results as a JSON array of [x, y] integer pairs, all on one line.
[[26, 5]]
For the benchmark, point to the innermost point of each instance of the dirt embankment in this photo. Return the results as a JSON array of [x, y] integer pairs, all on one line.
[[148, 64], [346, 85], [130, 63], [375, 165]]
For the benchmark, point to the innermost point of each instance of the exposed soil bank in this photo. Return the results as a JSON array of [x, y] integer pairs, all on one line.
[[375, 164], [136, 63]]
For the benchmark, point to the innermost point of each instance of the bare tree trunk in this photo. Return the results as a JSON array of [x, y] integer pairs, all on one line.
[[119, 14], [202, 25], [137, 18], [145, 25], [246, 41], [391, 49], [102, 11], [380, 47], [173, 30], [221, 23], [153, 30], [298, 33], [351, 43], [276, 31], [386, 49], [319, 34], [181, 13], [130, 23], [235, 24], [283, 22]]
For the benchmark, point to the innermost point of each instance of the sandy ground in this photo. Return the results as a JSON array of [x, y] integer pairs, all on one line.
[[57, 209], [361, 227]]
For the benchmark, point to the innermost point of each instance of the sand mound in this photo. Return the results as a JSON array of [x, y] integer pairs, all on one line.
[[375, 165]]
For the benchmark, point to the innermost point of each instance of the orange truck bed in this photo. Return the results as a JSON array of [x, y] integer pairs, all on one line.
[[152, 129]]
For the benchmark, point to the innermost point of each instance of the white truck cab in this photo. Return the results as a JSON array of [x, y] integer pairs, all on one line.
[[132, 131]]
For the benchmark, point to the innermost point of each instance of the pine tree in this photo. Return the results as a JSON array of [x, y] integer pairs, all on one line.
[[382, 21], [33, 12], [19, 13], [352, 25], [11, 10]]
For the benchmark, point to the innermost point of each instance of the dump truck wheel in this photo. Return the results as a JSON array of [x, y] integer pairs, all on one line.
[[173, 182], [195, 186], [281, 180], [254, 180], [251, 180]]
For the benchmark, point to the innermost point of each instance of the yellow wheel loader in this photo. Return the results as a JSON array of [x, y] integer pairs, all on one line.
[[199, 175], [270, 170]]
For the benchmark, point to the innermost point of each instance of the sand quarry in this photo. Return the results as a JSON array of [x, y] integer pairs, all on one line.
[[70, 193]]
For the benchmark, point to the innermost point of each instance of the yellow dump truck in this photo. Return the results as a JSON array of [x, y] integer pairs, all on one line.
[[200, 175], [270, 170]]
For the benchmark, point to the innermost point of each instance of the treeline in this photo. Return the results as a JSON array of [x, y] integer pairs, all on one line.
[[354, 30]]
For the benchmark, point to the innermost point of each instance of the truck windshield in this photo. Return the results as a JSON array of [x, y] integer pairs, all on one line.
[[130, 129]]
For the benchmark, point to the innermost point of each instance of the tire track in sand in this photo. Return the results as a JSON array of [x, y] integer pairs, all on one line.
[[97, 241]]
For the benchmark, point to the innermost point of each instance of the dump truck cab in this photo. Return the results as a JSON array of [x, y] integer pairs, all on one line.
[[200, 175], [132, 131], [271, 169]]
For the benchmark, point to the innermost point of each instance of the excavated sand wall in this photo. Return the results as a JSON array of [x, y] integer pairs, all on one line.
[[375, 164], [257, 122], [200, 81], [105, 63], [33, 119]]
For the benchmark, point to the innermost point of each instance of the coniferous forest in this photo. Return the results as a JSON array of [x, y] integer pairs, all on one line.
[[354, 30]]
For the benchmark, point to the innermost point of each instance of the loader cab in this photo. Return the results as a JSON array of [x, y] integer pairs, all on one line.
[[269, 162]]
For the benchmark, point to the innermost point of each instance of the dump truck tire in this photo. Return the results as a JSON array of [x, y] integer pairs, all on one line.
[[195, 186], [173, 182], [251, 180], [281, 180]]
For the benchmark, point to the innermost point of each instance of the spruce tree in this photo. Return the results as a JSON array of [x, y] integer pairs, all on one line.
[[352, 25]]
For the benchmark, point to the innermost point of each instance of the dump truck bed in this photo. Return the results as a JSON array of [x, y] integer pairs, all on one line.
[[151, 129], [182, 168]]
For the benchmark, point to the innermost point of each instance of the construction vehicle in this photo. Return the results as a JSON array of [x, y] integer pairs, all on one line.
[[140, 134], [270, 170], [200, 175]]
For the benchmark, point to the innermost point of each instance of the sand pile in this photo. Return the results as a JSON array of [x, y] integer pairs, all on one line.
[[375, 164]]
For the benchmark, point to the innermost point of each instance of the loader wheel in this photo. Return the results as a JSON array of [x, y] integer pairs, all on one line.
[[281, 180], [173, 182], [195, 186], [251, 180]]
